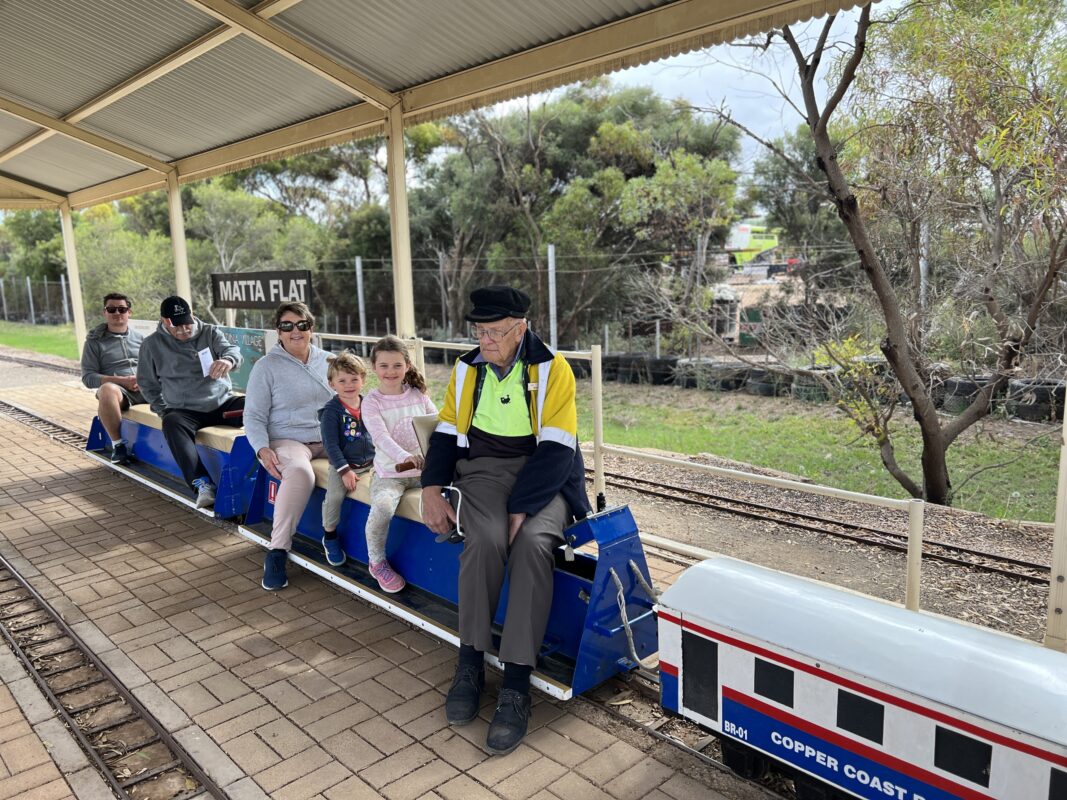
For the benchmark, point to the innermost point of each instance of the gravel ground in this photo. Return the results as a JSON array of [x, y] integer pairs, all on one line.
[[995, 601]]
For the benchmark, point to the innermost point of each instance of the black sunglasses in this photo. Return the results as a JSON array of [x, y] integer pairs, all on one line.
[[303, 325], [116, 309]]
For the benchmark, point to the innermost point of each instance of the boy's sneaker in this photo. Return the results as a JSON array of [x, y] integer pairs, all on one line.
[[335, 556], [386, 576], [205, 492], [274, 571], [120, 453]]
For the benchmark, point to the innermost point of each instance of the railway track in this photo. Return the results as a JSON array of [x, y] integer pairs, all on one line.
[[132, 751], [29, 362], [958, 555]]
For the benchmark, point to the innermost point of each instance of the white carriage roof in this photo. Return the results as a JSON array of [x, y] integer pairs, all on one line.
[[100, 99], [1009, 681]]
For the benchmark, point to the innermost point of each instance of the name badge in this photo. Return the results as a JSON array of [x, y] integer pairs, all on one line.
[[530, 387]]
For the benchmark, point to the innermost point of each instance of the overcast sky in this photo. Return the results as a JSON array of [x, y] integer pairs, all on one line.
[[724, 76]]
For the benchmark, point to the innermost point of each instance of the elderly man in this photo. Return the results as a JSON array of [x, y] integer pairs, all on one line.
[[507, 438], [109, 365], [184, 374]]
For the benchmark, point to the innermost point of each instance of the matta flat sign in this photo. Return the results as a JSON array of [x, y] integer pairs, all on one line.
[[260, 289]]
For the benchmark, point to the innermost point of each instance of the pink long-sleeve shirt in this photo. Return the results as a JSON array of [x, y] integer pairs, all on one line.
[[388, 419]]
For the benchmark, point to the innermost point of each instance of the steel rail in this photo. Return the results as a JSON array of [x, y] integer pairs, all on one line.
[[780, 516], [187, 763]]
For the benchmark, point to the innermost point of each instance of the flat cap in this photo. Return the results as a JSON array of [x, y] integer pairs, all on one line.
[[492, 303]]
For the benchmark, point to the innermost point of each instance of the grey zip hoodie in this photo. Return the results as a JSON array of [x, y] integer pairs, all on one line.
[[170, 375], [284, 396], [107, 353]]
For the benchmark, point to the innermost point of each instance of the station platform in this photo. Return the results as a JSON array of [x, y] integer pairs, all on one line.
[[304, 693]]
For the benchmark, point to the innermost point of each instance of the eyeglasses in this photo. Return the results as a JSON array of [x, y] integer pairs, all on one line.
[[492, 334], [117, 309], [303, 325]]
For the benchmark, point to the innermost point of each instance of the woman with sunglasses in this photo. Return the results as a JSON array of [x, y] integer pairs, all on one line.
[[286, 389]]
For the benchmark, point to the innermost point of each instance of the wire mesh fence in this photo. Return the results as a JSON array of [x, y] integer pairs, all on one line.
[[40, 302]]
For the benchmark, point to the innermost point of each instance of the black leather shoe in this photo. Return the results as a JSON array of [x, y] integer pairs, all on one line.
[[464, 698], [509, 722]]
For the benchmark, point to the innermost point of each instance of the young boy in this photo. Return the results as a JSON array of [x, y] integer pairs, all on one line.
[[347, 443]]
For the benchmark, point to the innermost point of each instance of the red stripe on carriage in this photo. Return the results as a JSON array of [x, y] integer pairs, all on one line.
[[670, 669], [877, 756], [885, 697]]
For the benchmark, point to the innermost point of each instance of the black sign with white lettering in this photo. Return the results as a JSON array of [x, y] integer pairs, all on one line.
[[260, 289]]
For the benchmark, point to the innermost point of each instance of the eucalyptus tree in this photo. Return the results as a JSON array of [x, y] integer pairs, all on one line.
[[949, 117]]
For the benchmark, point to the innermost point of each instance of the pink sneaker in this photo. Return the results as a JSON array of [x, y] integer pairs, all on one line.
[[386, 576]]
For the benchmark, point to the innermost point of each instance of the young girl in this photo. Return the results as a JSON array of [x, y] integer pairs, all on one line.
[[387, 412], [347, 443]]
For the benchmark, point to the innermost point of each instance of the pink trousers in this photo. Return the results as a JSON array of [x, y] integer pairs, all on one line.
[[298, 482]]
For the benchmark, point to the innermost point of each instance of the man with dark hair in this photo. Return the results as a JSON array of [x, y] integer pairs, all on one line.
[[184, 374], [507, 437], [109, 365]]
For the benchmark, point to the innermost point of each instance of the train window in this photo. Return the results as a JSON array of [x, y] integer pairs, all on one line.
[[860, 716], [961, 755], [1057, 785], [700, 675], [773, 682]]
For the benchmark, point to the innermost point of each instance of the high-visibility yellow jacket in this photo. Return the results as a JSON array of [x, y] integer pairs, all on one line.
[[556, 465]]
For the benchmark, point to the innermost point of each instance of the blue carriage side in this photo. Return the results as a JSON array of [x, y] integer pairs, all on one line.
[[845, 691], [586, 641], [224, 450]]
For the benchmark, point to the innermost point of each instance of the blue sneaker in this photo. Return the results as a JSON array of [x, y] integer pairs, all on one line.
[[274, 570], [335, 556]]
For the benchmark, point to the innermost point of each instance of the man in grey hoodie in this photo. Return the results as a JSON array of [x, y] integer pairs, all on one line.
[[184, 374], [109, 365]]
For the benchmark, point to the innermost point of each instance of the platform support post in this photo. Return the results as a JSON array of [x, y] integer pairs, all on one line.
[[70, 251], [399, 227], [1056, 623], [182, 282]]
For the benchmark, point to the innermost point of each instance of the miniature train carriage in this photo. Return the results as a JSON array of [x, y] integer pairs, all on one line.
[[855, 697]]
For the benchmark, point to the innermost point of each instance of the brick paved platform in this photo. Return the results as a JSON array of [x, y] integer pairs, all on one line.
[[305, 693]]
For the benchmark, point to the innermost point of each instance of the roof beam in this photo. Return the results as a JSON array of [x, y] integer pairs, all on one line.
[[350, 123], [74, 132], [29, 188], [205, 44], [297, 51]]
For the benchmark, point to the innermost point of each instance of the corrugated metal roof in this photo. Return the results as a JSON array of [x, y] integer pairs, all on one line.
[[233, 100], [376, 38], [13, 130], [58, 55], [67, 165], [237, 90]]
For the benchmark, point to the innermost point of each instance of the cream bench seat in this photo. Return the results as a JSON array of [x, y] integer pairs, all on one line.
[[217, 437], [409, 503]]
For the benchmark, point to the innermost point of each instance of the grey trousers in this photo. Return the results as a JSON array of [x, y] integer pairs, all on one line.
[[486, 484]]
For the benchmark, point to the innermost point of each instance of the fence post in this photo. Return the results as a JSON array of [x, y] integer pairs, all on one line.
[[3, 296], [362, 307], [657, 338], [444, 297], [552, 296], [29, 294], [63, 292]]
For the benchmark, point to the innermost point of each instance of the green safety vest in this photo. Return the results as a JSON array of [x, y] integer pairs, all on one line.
[[501, 408]]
